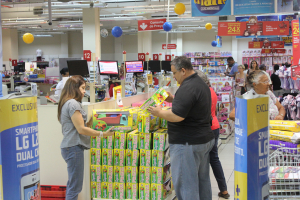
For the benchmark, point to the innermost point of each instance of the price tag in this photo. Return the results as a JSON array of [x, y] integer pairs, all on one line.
[[225, 98], [234, 28]]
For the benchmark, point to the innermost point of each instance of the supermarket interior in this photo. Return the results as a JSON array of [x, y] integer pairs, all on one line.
[[152, 94]]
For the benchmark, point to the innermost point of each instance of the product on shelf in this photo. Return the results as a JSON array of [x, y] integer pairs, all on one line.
[[144, 191], [96, 173], [95, 156], [285, 125], [145, 175], [107, 173], [131, 174], [120, 140], [287, 136], [107, 142], [133, 140], [145, 140], [119, 174], [159, 139], [107, 190], [119, 157], [107, 157], [157, 158], [96, 190], [132, 157], [157, 174], [145, 158], [96, 142], [132, 190], [290, 147], [157, 191], [119, 190]]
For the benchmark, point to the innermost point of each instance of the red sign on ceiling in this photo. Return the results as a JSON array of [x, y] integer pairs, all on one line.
[[151, 24], [170, 46]]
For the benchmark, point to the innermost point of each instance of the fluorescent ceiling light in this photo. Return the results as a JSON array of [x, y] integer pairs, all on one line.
[[145, 10], [148, 6], [121, 18], [43, 35], [190, 28], [121, 1], [61, 6], [48, 33], [67, 22]]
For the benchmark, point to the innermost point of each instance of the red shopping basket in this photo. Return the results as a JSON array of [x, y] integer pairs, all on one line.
[[53, 192]]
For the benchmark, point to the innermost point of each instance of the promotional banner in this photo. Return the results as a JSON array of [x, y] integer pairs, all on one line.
[[219, 41], [20, 148], [267, 51], [295, 35], [287, 5], [289, 18], [211, 7], [258, 45], [244, 7], [251, 150], [295, 72], [253, 28]]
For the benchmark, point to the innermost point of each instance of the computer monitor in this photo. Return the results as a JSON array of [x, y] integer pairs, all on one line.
[[134, 66], [78, 67], [166, 65], [154, 66], [42, 65], [108, 67], [21, 66]]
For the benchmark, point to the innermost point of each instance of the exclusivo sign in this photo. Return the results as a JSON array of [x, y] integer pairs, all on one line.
[[211, 7]]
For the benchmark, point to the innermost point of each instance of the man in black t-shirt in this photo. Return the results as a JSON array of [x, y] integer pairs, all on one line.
[[190, 134]]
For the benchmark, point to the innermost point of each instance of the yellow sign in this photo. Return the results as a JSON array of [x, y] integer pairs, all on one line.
[[149, 79]]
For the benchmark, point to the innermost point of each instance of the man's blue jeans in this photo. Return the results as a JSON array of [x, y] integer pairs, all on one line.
[[74, 158], [190, 170]]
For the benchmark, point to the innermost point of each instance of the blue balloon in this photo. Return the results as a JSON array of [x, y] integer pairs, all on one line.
[[167, 26], [214, 43], [116, 31]]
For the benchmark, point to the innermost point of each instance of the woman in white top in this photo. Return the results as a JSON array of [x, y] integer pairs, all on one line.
[[240, 79]]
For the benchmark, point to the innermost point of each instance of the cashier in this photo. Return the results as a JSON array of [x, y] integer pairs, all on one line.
[[259, 83], [64, 73]]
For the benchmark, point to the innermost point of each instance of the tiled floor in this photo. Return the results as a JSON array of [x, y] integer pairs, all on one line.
[[226, 155]]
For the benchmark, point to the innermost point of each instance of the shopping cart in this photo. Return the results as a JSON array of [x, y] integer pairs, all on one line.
[[284, 173]]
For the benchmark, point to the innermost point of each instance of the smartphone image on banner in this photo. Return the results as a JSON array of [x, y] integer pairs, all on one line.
[[30, 185]]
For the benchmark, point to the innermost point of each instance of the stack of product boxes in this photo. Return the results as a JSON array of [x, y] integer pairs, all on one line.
[[224, 90], [129, 165]]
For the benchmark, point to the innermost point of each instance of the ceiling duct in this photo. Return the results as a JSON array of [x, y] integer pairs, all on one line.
[[38, 11]]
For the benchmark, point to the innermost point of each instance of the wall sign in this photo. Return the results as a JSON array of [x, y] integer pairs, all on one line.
[[244, 7], [211, 7]]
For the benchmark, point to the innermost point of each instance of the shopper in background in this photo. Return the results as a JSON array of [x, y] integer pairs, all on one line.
[[277, 90], [122, 72], [259, 83], [76, 134], [240, 80], [60, 85], [190, 136], [213, 154], [233, 65], [246, 69], [253, 66], [264, 68]]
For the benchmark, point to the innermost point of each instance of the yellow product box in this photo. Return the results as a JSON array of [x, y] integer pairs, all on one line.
[[159, 139], [107, 190], [95, 190], [145, 141], [147, 122], [131, 174], [96, 142], [120, 140], [107, 157], [95, 156], [107, 173], [145, 158], [104, 119], [157, 158], [134, 116], [132, 191], [140, 121], [119, 191], [144, 191], [145, 174], [281, 135], [119, 157], [132, 157], [157, 191], [163, 123], [157, 175], [119, 174], [133, 140], [156, 99], [108, 142], [285, 125], [96, 173]]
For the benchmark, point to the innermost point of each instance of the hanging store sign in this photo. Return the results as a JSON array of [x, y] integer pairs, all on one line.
[[151, 24], [211, 8], [244, 7], [295, 35], [170, 46], [266, 44]]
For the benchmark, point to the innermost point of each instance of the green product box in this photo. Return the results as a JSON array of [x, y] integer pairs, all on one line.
[[163, 123], [157, 98], [96, 142], [119, 191], [133, 140], [145, 174], [145, 141], [159, 139], [107, 157], [132, 157], [157, 158], [119, 174], [157, 175], [108, 142], [107, 173], [144, 191], [140, 121], [132, 191], [145, 158], [131, 174], [120, 140], [95, 156], [107, 190], [157, 191], [95, 190], [119, 157], [96, 173]]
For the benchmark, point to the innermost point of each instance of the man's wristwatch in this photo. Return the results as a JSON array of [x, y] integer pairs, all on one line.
[[282, 115]]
